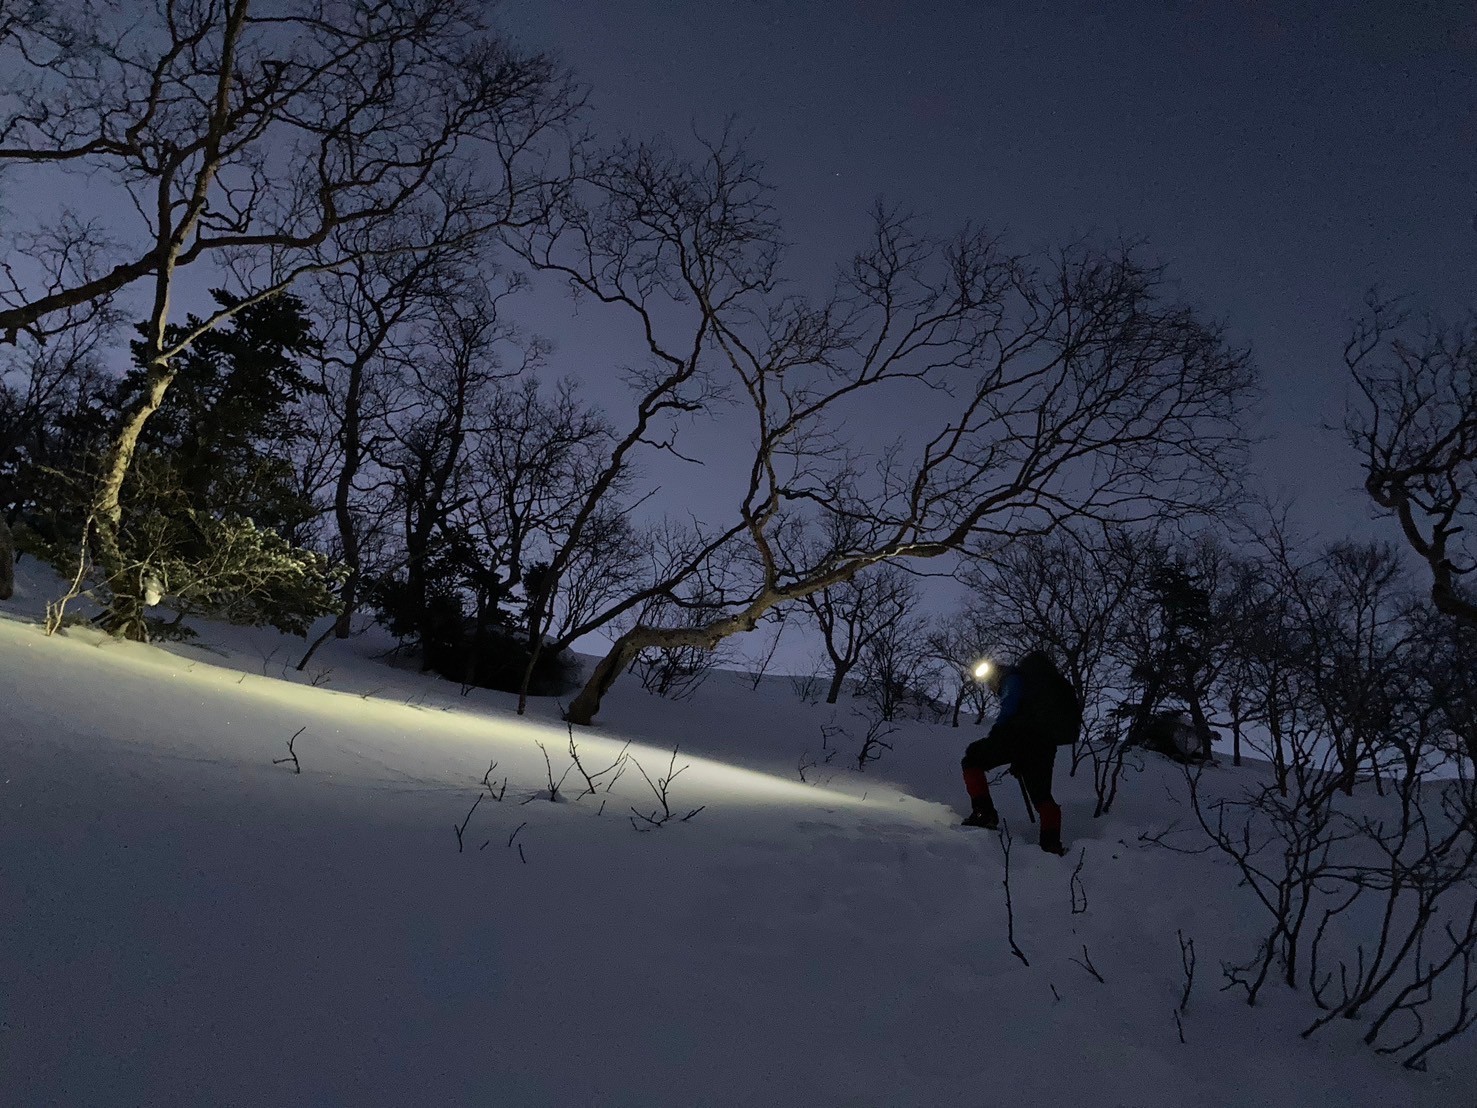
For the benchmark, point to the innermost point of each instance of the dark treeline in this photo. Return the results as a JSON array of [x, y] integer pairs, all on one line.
[[356, 420]]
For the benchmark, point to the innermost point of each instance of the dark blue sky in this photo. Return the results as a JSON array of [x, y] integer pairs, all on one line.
[[1280, 157]]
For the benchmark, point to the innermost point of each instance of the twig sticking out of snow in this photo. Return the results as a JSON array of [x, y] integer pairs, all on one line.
[[497, 792], [1161, 838], [521, 856], [1187, 960], [554, 786], [297, 767], [660, 787], [831, 731], [463, 827], [1005, 841], [1086, 963], [267, 658], [592, 780], [56, 610], [874, 741], [1079, 891], [809, 762], [805, 765]]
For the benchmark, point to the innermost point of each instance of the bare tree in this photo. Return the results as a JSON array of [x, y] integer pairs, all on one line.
[[1284, 848], [1073, 387], [899, 669], [852, 615], [485, 464], [613, 241], [1368, 900], [378, 311], [957, 644], [1270, 654], [245, 134], [1314, 864], [533, 468], [1416, 427], [1245, 608], [445, 401], [49, 393], [661, 789], [1450, 684], [1352, 612], [874, 739]]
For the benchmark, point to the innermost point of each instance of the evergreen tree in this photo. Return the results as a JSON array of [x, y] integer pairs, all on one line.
[[214, 513], [228, 428], [1179, 645]]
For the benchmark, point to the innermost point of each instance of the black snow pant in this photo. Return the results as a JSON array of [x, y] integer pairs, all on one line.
[[1030, 758]]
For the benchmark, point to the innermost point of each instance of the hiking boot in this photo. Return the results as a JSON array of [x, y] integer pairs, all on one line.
[[990, 820], [1051, 842]]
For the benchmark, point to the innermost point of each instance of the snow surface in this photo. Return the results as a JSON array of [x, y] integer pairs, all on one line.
[[182, 921]]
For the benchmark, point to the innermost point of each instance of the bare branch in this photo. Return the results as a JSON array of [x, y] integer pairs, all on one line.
[[291, 753], [1086, 963], [462, 827], [1005, 840]]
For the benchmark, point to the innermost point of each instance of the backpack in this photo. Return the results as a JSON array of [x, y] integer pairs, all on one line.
[[1050, 699]]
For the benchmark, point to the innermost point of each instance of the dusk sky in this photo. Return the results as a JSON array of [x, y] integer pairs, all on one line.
[[1279, 157]]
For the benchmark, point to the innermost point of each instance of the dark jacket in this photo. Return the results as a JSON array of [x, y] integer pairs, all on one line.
[[1037, 703]]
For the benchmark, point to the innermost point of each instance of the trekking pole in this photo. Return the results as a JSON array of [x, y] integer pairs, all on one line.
[[1026, 796]]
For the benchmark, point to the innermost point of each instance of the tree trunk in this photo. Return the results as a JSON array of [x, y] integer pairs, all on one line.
[[415, 591], [583, 707], [838, 678], [313, 649], [1279, 755], [343, 497], [586, 704], [533, 658], [1138, 725], [1349, 757], [1374, 768], [1197, 718], [538, 603], [125, 615]]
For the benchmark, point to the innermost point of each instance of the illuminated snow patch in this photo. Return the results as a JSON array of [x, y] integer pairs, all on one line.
[[135, 692]]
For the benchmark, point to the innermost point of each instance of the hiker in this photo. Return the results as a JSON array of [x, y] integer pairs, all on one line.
[[1039, 711]]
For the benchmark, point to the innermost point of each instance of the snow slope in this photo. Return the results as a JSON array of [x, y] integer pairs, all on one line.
[[182, 921]]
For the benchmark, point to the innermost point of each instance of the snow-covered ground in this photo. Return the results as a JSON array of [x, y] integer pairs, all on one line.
[[185, 920]]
